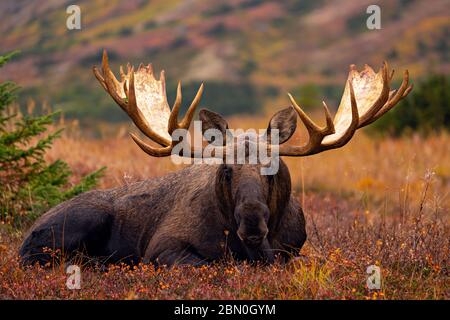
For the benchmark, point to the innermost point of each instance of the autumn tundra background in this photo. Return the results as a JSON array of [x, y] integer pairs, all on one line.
[[381, 200]]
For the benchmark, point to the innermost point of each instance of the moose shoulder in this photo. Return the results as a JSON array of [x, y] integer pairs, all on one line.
[[203, 212]]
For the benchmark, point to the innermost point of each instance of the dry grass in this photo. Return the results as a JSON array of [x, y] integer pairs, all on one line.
[[382, 202]]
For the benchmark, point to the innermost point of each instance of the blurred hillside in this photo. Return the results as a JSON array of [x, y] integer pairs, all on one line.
[[248, 52]]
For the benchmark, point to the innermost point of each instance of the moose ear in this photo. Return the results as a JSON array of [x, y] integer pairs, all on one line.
[[212, 120], [285, 121]]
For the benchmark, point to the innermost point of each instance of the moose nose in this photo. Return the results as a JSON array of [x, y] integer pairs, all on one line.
[[254, 240]]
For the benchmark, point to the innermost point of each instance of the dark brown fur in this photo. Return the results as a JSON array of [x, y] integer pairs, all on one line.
[[195, 215]]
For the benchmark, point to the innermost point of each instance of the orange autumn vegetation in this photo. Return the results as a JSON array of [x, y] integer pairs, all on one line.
[[382, 202]]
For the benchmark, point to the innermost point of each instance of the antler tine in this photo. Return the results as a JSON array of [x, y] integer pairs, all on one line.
[[152, 151], [123, 76], [173, 119], [329, 120], [316, 133], [111, 83], [402, 92], [100, 78], [408, 90], [184, 124], [309, 124], [391, 76]]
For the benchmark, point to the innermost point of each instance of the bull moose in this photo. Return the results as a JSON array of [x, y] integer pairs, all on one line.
[[205, 211]]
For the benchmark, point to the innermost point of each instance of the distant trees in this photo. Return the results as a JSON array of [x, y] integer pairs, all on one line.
[[425, 110], [28, 184]]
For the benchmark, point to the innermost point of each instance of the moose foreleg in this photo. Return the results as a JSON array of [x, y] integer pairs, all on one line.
[[172, 252]]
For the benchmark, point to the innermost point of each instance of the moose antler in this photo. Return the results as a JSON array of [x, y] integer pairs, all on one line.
[[144, 99], [366, 98]]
